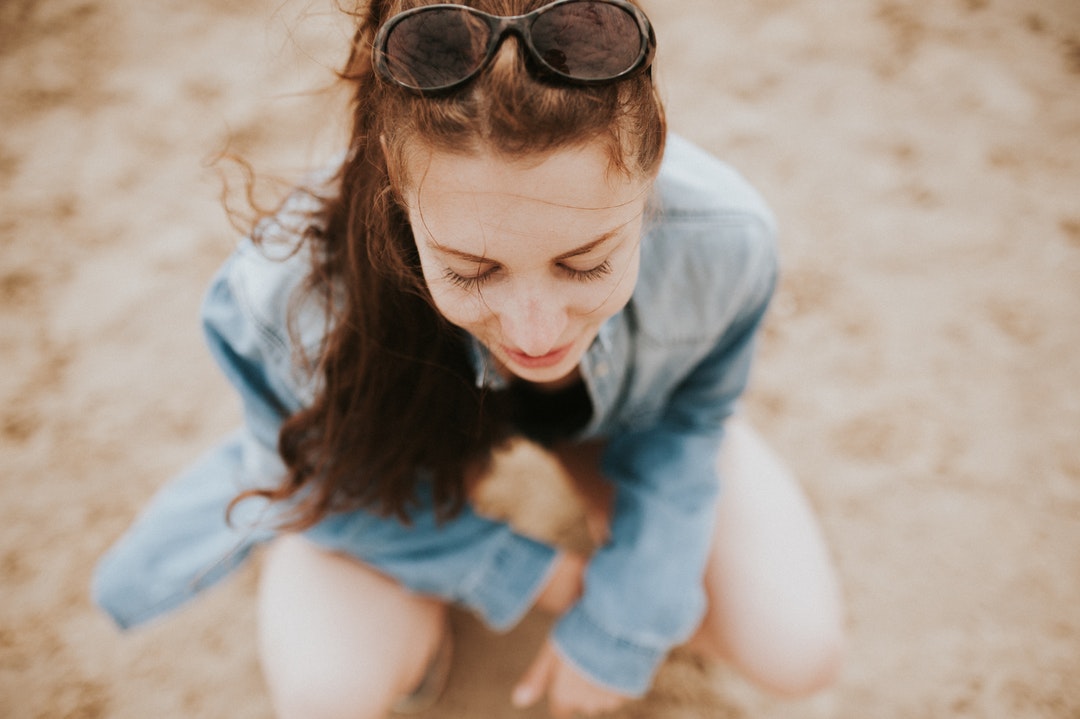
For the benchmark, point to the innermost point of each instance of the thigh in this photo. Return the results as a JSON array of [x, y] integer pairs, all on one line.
[[775, 609], [338, 639]]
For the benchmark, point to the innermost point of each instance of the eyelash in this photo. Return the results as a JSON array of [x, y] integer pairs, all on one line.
[[473, 282]]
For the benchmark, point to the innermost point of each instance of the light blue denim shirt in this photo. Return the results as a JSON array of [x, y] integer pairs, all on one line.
[[663, 375]]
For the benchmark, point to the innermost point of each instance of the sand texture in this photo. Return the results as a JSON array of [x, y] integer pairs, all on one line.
[[920, 368]]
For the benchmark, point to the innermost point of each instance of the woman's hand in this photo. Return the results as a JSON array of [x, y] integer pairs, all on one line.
[[568, 691]]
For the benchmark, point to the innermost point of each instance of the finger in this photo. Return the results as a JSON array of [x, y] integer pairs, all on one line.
[[534, 683], [562, 707], [572, 693]]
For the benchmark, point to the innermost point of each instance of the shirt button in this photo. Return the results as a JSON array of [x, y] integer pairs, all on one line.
[[602, 369]]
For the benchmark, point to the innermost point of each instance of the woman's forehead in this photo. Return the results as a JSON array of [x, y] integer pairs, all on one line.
[[485, 206], [576, 176]]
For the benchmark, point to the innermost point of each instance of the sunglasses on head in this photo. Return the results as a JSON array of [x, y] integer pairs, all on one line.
[[437, 48]]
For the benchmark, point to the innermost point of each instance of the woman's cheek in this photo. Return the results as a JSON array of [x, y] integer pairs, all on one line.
[[466, 312]]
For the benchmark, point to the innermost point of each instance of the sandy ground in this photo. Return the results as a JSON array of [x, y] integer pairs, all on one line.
[[920, 370]]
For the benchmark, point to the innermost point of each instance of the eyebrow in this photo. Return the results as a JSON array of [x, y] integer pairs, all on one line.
[[576, 252]]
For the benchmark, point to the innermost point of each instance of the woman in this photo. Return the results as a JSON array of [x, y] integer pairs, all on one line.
[[511, 246]]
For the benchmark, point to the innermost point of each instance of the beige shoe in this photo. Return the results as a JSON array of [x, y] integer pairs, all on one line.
[[433, 683]]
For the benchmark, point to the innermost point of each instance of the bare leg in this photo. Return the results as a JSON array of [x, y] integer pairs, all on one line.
[[775, 610], [338, 639]]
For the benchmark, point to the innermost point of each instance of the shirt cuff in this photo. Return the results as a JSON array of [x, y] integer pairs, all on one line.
[[609, 660], [508, 583]]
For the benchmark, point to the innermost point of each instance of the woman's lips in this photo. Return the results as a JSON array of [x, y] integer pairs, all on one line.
[[530, 362]]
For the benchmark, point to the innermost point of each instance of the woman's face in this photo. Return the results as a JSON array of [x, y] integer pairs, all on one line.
[[530, 257]]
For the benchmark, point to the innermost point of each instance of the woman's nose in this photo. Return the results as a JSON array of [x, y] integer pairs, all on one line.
[[535, 325]]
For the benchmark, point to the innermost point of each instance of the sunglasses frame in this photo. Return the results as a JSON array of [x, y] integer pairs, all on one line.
[[519, 25]]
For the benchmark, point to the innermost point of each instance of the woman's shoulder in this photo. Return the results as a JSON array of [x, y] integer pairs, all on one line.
[[694, 184], [262, 298], [266, 273], [706, 218], [268, 270], [710, 248]]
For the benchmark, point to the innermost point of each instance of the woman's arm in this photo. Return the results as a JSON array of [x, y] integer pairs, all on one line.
[[643, 590]]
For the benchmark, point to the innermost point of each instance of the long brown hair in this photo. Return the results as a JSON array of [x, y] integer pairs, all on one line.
[[397, 404]]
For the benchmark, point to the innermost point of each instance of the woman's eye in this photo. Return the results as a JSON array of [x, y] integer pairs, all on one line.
[[594, 273], [474, 281], [468, 282]]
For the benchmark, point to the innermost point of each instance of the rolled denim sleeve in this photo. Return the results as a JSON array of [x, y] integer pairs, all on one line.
[[183, 542], [180, 545], [644, 590]]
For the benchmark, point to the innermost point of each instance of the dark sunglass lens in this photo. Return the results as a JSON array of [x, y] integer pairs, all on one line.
[[587, 40], [437, 47]]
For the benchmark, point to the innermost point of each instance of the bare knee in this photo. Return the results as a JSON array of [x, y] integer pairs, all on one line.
[[790, 661], [337, 639], [321, 692], [775, 602], [806, 663]]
